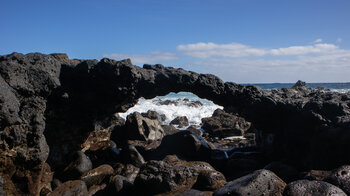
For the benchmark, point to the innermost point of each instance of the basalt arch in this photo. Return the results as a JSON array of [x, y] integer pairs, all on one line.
[[50, 99]]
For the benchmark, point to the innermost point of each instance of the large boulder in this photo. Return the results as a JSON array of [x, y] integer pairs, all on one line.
[[340, 177], [223, 124], [138, 127], [261, 182], [306, 187], [171, 174]]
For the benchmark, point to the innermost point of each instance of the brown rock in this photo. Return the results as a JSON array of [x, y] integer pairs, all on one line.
[[97, 175]]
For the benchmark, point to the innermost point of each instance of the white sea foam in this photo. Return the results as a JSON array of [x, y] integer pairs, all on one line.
[[344, 90], [171, 111]]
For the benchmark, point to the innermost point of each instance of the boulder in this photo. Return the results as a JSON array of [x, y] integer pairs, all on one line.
[[159, 177], [180, 121], [97, 175], [306, 187], [129, 171], [340, 177], [209, 180], [169, 129], [154, 115], [195, 130], [131, 155], [223, 124], [260, 182], [103, 152], [76, 187], [193, 147], [119, 185], [80, 163], [172, 174], [138, 127]]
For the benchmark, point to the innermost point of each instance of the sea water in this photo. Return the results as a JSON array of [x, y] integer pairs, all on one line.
[[195, 114]]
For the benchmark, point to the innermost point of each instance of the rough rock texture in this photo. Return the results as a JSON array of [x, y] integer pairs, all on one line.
[[50, 104], [76, 188], [181, 121], [26, 81], [340, 177], [223, 124], [171, 174], [97, 175], [261, 182], [138, 127], [306, 187]]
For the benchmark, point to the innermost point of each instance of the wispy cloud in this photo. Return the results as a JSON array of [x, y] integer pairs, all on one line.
[[239, 62], [339, 40], [319, 40], [234, 50], [153, 57]]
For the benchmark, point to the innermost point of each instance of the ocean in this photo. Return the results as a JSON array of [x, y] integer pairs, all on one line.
[[180, 107]]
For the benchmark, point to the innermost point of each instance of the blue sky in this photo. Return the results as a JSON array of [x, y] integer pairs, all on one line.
[[238, 40]]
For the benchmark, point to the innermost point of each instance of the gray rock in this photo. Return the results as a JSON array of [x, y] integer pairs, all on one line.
[[261, 182], [138, 127], [223, 124], [286, 172], [306, 187], [340, 177], [181, 121]]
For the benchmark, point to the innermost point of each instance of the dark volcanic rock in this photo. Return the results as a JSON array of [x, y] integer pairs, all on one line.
[[306, 187], [169, 129], [76, 187], [129, 171], [261, 182], [26, 81], [340, 177], [138, 127], [119, 185], [154, 115], [132, 155], [171, 174], [78, 166], [181, 121], [193, 147], [52, 101], [223, 124]]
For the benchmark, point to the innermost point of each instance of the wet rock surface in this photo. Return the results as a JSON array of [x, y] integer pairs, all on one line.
[[180, 121], [51, 106]]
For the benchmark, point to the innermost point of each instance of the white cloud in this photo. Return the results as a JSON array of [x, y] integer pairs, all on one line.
[[319, 40], [153, 57], [234, 50], [333, 67]]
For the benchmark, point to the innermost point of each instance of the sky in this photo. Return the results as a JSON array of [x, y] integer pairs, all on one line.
[[243, 41]]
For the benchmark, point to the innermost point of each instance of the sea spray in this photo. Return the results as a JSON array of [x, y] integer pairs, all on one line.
[[178, 104]]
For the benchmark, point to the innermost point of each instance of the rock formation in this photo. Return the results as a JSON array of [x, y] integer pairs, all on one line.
[[50, 105]]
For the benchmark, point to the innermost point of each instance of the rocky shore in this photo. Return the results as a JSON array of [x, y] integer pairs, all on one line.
[[60, 133]]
